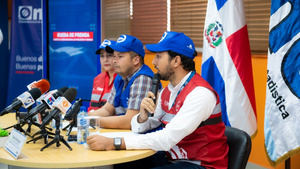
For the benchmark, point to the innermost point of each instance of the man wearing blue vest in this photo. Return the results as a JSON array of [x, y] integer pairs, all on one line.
[[131, 85], [189, 109]]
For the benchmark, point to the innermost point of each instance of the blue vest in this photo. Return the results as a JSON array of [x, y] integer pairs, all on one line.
[[122, 96]]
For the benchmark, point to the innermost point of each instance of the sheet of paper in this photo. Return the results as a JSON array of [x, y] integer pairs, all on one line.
[[114, 134]]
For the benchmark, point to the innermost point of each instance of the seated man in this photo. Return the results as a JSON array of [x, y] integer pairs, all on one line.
[[188, 107], [104, 81], [131, 85]]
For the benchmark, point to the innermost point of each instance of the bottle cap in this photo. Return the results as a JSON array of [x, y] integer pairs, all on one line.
[[82, 108]]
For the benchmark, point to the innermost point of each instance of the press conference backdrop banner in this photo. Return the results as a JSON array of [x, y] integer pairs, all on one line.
[[4, 53], [74, 34], [26, 60]]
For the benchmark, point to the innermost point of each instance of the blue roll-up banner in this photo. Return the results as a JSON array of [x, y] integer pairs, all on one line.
[[4, 55], [74, 34], [26, 60]]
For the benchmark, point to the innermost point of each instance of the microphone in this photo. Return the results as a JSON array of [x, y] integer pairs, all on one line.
[[42, 84], [26, 100], [155, 87], [61, 104], [47, 102], [72, 113]]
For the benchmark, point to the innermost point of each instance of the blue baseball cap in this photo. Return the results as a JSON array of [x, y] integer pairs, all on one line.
[[175, 41], [126, 43], [106, 45]]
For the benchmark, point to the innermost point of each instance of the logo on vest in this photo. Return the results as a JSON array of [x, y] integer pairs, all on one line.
[[183, 153], [166, 103], [99, 89], [178, 105]]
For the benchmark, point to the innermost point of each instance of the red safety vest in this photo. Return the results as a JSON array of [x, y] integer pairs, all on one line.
[[101, 90], [207, 144]]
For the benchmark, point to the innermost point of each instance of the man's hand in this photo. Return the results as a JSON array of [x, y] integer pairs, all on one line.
[[147, 106], [97, 142]]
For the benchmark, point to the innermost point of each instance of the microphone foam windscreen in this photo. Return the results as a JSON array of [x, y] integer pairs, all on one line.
[[43, 85], [70, 94], [35, 93], [63, 89]]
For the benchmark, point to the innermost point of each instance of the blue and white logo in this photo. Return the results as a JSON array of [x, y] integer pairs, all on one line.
[[105, 43], [28, 14], [284, 36], [121, 39], [163, 37]]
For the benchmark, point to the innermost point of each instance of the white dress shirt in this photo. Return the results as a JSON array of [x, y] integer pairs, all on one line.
[[197, 107]]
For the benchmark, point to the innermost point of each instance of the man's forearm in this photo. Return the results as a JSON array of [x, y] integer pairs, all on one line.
[[100, 112], [106, 110], [121, 122]]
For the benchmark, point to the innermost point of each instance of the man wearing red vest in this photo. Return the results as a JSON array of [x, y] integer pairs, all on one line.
[[189, 109]]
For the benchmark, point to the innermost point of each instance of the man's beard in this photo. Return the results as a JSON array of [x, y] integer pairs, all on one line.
[[167, 75]]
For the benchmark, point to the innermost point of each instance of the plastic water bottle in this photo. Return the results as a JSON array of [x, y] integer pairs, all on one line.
[[82, 126]]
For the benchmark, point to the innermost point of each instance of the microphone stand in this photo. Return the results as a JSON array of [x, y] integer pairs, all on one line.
[[43, 130], [72, 124], [43, 134], [18, 126], [57, 137]]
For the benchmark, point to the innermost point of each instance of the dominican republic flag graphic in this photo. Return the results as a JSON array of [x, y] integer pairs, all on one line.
[[226, 62], [282, 109]]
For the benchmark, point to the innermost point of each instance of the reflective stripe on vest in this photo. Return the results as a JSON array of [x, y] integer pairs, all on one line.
[[120, 110], [95, 97], [217, 109], [105, 96]]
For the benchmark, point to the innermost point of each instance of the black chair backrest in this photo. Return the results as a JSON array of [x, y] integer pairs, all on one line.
[[239, 143]]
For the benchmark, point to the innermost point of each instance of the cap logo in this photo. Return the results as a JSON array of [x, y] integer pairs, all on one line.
[[121, 39], [106, 43], [163, 37], [190, 46]]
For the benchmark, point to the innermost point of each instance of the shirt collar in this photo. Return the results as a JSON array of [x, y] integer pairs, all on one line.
[[130, 76], [178, 86]]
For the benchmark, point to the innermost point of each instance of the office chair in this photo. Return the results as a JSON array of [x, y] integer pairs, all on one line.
[[239, 143]]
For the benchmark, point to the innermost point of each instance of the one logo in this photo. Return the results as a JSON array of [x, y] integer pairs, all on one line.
[[50, 100], [121, 39], [28, 14], [65, 103], [166, 103], [25, 13], [163, 37], [105, 43], [190, 46], [28, 101], [178, 105], [100, 88], [183, 153], [214, 34]]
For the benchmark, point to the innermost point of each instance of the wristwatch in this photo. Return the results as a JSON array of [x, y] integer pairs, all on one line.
[[117, 143]]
